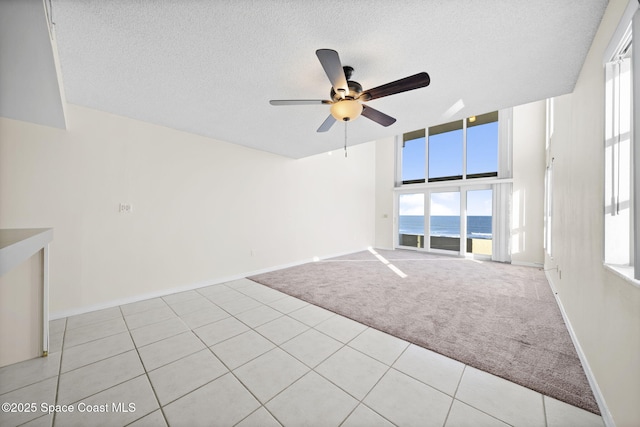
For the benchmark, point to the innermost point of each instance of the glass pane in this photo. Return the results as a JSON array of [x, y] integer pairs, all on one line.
[[479, 217], [618, 219], [445, 152], [482, 145], [444, 228], [413, 160], [411, 220]]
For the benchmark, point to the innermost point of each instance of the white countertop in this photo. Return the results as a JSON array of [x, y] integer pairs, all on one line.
[[18, 244]]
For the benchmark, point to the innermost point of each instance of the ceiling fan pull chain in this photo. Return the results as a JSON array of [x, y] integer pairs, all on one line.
[[345, 138]]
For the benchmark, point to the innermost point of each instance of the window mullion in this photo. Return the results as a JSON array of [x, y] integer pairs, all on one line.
[[426, 155], [615, 148], [635, 152], [427, 220], [464, 149], [463, 219]]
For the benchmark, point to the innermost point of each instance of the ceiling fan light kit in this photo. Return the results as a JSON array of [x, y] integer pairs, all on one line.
[[347, 96], [346, 110]]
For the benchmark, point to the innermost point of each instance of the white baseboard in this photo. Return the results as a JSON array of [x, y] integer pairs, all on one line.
[[527, 264], [188, 287], [604, 410]]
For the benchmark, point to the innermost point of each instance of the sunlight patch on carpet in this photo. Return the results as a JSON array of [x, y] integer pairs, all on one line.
[[387, 263]]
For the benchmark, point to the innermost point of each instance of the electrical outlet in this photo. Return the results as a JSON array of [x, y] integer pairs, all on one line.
[[125, 208]]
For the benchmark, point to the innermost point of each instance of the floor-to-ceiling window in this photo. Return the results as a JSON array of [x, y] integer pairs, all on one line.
[[444, 220], [446, 180], [479, 221], [411, 220]]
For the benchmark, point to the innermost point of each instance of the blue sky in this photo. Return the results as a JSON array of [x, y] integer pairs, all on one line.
[[445, 159], [445, 150]]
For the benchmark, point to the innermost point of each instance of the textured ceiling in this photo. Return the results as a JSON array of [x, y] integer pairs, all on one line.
[[211, 67]]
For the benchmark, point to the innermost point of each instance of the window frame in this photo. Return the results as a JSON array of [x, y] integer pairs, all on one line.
[[426, 193], [500, 184], [629, 24], [503, 160], [548, 181]]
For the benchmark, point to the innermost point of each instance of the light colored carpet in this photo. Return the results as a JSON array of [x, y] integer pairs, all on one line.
[[500, 318]]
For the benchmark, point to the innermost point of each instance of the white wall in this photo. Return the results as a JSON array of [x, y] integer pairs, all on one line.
[[385, 181], [527, 205], [603, 309], [203, 210]]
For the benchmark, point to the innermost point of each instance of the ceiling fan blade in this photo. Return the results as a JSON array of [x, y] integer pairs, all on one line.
[[333, 68], [377, 116], [326, 125], [299, 102], [403, 85]]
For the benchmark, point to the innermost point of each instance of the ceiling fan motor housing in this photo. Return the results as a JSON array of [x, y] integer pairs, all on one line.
[[355, 88]]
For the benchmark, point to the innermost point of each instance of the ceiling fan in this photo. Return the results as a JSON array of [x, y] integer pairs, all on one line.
[[347, 96]]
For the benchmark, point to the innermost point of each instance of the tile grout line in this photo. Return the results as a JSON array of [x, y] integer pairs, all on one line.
[[206, 347], [455, 392], [240, 312], [97, 361], [262, 405], [453, 398], [96, 339], [64, 336], [230, 371], [389, 367], [124, 315], [144, 368], [469, 404], [277, 346], [313, 369], [256, 410], [89, 364], [40, 380], [91, 323], [252, 328]]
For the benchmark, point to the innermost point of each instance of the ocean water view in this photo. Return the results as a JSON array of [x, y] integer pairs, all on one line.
[[478, 227]]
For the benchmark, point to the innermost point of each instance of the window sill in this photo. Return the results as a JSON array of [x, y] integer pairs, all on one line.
[[625, 272], [458, 183]]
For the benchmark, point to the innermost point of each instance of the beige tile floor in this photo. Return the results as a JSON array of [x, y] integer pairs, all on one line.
[[241, 354]]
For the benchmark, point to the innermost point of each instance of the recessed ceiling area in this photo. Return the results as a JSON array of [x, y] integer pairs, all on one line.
[[210, 68]]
